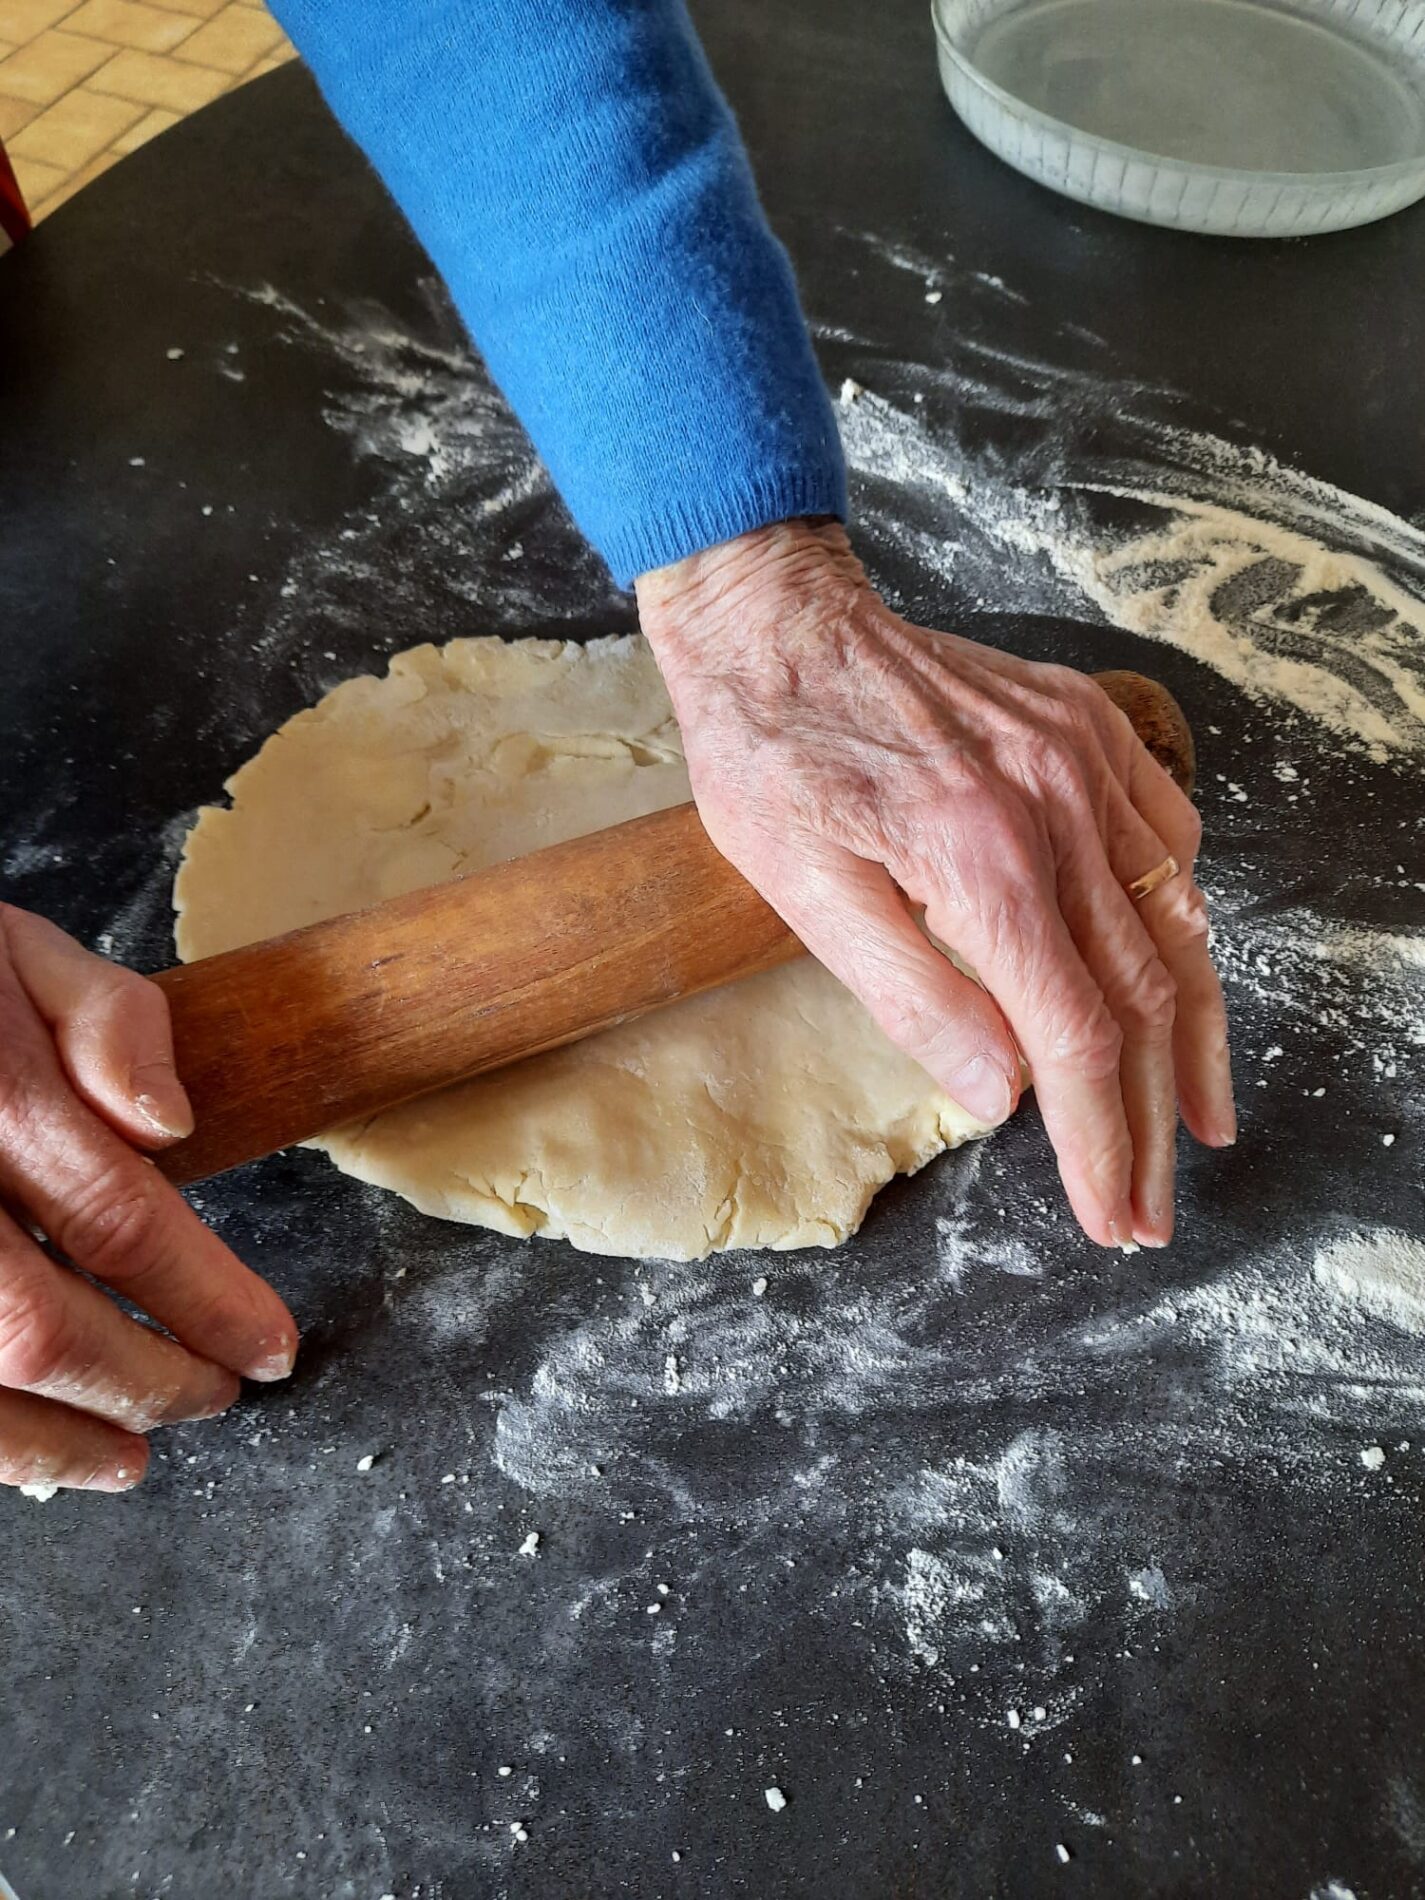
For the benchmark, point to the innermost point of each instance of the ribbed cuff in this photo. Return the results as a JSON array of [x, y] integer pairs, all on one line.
[[689, 524]]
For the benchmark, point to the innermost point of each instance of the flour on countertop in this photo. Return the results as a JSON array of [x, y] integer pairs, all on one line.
[[1323, 631], [1283, 618], [1304, 596], [968, 1461], [1307, 601], [438, 551], [978, 1425], [1300, 594], [1383, 1273]]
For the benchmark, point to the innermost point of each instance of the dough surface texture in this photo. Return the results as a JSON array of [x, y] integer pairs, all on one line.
[[765, 1114]]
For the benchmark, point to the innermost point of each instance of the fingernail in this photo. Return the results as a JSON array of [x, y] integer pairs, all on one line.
[[982, 1089], [1155, 1229], [1120, 1233], [159, 1097], [114, 1478], [183, 1411], [274, 1360]]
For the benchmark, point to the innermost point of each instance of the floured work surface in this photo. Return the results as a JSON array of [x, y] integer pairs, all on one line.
[[963, 1469]]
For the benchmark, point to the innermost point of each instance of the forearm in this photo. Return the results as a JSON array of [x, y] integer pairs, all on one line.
[[581, 186]]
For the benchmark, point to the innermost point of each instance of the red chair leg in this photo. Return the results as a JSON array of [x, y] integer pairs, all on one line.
[[15, 220]]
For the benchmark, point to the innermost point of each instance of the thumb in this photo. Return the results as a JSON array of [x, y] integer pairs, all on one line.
[[852, 918], [110, 1027]]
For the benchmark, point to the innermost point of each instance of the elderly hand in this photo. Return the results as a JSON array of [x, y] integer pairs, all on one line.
[[851, 765], [86, 1077]]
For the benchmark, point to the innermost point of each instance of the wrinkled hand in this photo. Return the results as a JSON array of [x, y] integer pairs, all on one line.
[[847, 762], [86, 1078]]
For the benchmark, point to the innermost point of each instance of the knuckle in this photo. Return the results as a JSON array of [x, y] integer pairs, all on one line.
[[994, 850], [155, 1003], [1077, 704], [36, 1342], [1189, 830], [1051, 752], [31, 1149], [1063, 681], [912, 1023], [1060, 764], [128, 988], [111, 1225], [1090, 1042], [1075, 695], [1151, 1002], [1193, 912], [1186, 923], [112, 998], [1002, 938], [31, 1084]]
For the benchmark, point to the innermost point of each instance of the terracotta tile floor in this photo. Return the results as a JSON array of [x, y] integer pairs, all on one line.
[[82, 82]]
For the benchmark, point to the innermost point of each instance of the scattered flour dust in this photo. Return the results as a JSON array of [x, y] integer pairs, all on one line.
[[1383, 1273], [1301, 594], [1318, 981], [933, 1594], [1317, 627], [1322, 1337], [1297, 592], [1014, 1552], [1008, 1539], [439, 551], [1272, 611]]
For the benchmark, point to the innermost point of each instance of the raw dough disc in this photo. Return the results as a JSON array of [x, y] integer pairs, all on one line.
[[765, 1114]]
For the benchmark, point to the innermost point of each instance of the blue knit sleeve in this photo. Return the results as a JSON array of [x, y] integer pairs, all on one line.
[[580, 184]]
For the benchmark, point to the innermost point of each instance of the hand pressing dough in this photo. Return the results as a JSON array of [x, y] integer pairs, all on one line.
[[765, 1114]]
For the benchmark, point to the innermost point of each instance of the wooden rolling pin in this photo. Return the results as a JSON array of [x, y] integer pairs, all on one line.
[[280, 1040]]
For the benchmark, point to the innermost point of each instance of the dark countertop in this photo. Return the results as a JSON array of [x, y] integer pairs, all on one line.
[[963, 1467]]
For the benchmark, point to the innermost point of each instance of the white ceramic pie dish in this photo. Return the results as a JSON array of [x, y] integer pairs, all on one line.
[[1247, 118]]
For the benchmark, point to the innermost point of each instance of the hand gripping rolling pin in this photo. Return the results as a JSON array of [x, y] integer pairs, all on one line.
[[280, 1040]]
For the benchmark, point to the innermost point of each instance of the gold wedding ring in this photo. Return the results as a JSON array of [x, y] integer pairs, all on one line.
[[1153, 880]]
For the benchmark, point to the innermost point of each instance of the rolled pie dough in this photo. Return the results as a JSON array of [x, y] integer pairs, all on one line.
[[765, 1114]]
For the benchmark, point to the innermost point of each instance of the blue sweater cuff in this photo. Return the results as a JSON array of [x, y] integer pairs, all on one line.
[[685, 527]]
